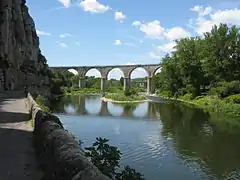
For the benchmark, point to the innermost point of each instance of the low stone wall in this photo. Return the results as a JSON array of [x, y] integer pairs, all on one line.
[[58, 153]]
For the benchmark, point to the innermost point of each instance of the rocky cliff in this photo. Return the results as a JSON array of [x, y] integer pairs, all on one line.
[[21, 61]]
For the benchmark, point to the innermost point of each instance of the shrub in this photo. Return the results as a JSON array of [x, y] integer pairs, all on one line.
[[107, 157], [41, 102], [198, 97], [225, 89], [127, 92], [129, 174], [164, 93], [104, 156], [187, 97], [233, 99]]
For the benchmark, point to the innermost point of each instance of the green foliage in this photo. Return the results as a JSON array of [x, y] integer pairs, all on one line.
[[41, 101], [225, 89], [107, 157], [215, 105], [76, 91], [129, 174], [123, 97], [164, 93], [131, 92], [187, 97], [197, 63], [127, 92], [104, 156], [233, 99]]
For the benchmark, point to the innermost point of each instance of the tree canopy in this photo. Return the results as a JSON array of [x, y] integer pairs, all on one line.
[[201, 62]]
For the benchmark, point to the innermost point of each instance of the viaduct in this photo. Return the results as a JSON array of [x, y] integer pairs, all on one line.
[[104, 70]]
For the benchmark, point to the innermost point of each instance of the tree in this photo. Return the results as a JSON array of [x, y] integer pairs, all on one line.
[[106, 159]]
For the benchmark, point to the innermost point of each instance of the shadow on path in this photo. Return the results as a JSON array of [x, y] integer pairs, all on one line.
[[17, 158]]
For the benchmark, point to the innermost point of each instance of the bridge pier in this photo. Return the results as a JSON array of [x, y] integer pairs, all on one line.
[[150, 85], [126, 83], [81, 82], [103, 83]]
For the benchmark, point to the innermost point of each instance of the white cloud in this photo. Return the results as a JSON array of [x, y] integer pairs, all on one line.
[[65, 3], [63, 45], [169, 47], [42, 33], [65, 35], [119, 16], [117, 42], [130, 44], [176, 33], [130, 63], [208, 18], [154, 56], [93, 6], [202, 11], [77, 43], [151, 29], [231, 16], [155, 30]]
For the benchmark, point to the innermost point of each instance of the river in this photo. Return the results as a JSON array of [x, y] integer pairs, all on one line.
[[161, 140]]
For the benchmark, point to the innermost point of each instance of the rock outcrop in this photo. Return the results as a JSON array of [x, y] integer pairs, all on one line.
[[21, 61]]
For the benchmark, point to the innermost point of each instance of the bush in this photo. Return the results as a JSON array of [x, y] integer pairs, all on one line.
[[164, 93], [41, 102], [233, 99], [127, 92], [198, 97], [106, 159], [225, 89], [187, 97]]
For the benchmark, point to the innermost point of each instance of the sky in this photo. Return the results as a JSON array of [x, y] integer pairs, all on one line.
[[121, 32]]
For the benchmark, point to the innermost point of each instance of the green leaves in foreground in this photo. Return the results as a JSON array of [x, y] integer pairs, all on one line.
[[107, 158]]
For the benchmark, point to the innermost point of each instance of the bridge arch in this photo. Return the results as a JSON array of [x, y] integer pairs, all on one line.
[[157, 70], [93, 72], [73, 71], [138, 68], [115, 73]]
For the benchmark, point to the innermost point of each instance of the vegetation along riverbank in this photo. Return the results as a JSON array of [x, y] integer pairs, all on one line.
[[205, 71]]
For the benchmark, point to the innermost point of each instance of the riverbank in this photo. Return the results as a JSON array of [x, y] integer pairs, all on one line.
[[216, 107]]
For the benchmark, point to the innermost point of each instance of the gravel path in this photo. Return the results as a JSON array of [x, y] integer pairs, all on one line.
[[17, 160]]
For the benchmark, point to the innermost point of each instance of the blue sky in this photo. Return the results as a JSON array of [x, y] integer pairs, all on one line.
[[111, 32]]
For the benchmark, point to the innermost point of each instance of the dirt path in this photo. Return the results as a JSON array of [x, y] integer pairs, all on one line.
[[17, 160]]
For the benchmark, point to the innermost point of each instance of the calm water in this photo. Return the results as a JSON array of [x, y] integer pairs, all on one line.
[[160, 140]]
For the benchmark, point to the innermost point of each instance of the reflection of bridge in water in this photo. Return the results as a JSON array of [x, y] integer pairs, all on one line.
[[92, 105]]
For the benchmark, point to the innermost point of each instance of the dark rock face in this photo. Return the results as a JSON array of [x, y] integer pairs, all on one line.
[[21, 61], [59, 154]]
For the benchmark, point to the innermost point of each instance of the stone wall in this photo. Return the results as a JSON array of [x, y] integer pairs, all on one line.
[[20, 55], [58, 153]]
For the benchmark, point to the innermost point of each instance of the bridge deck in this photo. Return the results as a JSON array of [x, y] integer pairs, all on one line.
[[17, 160]]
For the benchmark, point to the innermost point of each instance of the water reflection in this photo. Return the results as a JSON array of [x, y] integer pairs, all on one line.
[[197, 141], [92, 105], [177, 143]]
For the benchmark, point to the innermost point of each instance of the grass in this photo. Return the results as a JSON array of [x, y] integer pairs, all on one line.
[[78, 91], [220, 110], [122, 97]]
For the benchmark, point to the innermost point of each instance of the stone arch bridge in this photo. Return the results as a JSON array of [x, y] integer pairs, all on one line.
[[104, 70]]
